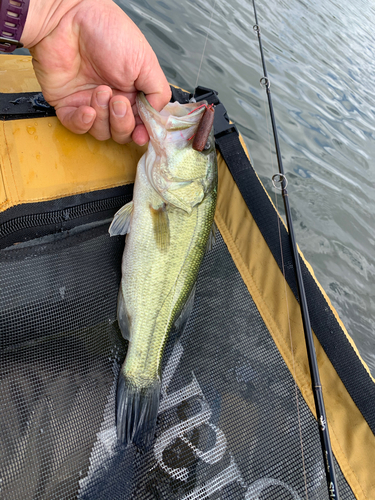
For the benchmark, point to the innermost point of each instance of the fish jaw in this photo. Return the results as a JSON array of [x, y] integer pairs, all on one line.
[[174, 118]]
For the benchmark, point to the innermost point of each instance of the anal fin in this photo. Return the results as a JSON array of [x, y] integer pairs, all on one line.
[[122, 316]]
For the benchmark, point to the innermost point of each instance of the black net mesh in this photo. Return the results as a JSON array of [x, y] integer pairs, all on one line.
[[228, 425]]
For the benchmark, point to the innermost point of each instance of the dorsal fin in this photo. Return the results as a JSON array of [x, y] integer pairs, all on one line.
[[181, 321]]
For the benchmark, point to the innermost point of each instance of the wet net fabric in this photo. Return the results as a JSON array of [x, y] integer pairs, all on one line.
[[227, 425]]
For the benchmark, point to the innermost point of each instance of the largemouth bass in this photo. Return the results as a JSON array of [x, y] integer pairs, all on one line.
[[168, 224]]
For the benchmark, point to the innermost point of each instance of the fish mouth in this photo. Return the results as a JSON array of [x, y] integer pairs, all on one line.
[[179, 111], [173, 117]]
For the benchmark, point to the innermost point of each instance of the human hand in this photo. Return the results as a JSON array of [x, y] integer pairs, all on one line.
[[91, 60]]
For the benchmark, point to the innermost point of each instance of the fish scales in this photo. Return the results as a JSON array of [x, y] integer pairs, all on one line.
[[168, 223], [174, 276]]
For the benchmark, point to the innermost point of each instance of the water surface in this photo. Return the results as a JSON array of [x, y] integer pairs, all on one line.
[[321, 63]]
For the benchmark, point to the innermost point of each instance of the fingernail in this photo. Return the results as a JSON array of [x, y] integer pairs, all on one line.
[[103, 98], [119, 108], [87, 118]]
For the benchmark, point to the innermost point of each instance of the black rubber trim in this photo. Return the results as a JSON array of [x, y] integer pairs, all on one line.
[[326, 327], [33, 220], [24, 105], [180, 95]]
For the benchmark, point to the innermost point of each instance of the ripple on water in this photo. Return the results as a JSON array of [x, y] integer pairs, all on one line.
[[320, 58]]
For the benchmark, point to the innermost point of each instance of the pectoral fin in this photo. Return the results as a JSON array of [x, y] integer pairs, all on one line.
[[161, 226], [121, 220]]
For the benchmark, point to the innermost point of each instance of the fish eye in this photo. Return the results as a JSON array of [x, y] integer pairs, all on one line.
[[209, 147]]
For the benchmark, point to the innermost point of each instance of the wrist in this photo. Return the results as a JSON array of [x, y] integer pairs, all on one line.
[[43, 17], [13, 15]]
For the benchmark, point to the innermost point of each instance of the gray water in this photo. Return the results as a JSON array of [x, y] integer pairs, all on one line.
[[321, 62]]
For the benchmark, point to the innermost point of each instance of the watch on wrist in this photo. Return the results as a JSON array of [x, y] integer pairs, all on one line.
[[13, 15]]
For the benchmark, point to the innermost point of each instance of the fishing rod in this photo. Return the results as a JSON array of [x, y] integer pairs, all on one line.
[[281, 179]]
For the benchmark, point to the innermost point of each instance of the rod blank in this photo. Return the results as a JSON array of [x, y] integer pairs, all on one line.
[[311, 354]]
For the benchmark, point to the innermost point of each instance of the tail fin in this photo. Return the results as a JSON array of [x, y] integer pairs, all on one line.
[[137, 410]]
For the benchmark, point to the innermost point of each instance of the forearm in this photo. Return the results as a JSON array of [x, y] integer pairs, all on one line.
[[43, 17]]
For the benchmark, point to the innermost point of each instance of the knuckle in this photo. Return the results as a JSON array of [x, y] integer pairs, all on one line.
[[100, 135], [121, 138], [121, 127]]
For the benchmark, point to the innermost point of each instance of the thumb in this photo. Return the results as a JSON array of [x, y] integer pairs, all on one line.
[[153, 83]]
